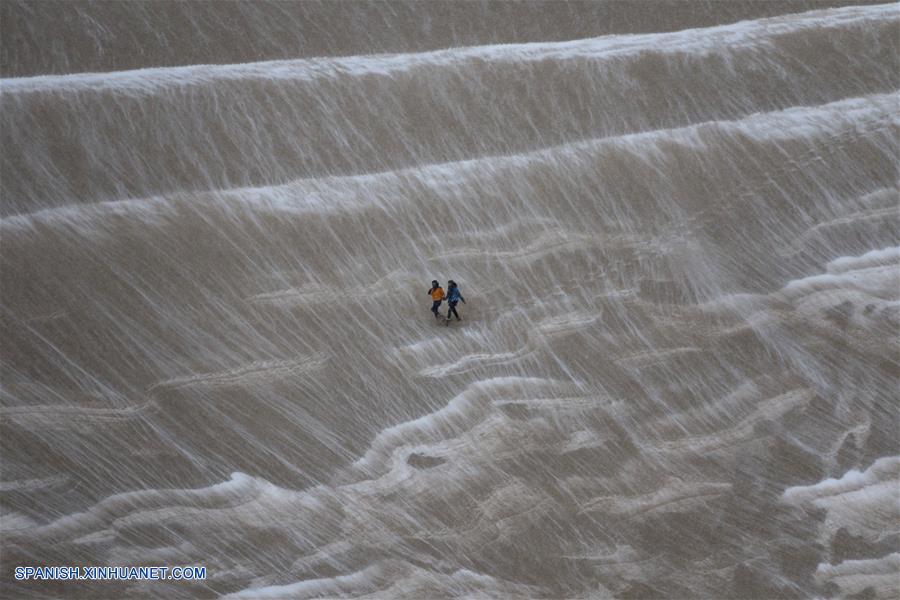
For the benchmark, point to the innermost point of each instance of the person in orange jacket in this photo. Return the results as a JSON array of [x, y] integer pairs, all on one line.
[[437, 296]]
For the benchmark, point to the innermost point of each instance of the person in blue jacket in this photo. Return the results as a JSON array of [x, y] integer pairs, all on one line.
[[453, 297]]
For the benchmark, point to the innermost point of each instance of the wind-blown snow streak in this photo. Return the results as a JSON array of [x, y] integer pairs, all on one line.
[[216, 127], [708, 41]]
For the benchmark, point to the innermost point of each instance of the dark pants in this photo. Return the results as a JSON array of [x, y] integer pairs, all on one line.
[[452, 310], [434, 308]]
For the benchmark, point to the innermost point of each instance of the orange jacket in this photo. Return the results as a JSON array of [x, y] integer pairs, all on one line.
[[437, 293]]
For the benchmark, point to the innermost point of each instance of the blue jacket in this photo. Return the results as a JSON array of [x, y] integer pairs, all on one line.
[[453, 295]]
